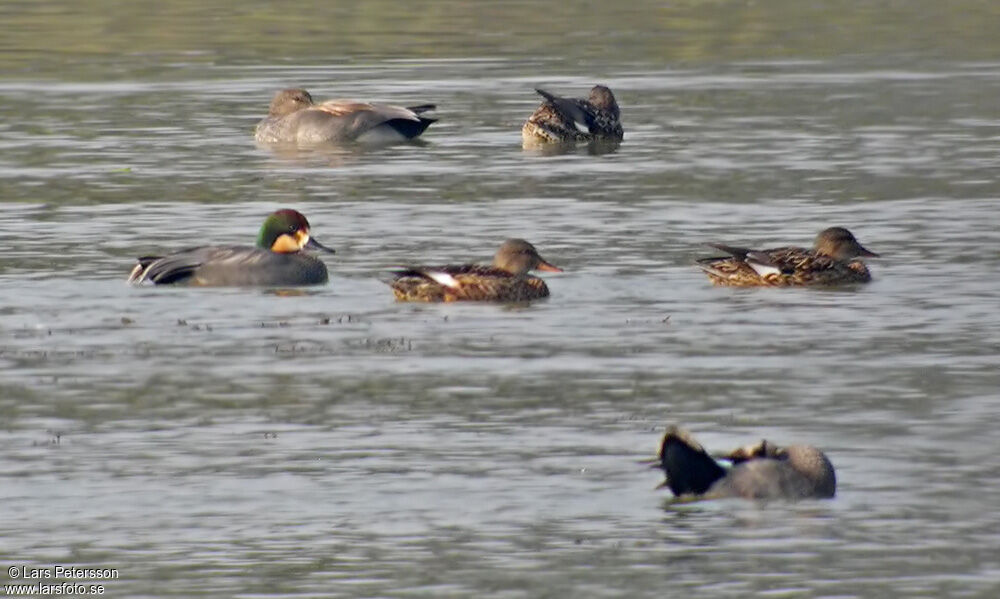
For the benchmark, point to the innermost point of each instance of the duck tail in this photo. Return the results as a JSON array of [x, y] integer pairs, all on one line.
[[139, 271], [411, 129], [689, 468], [706, 265]]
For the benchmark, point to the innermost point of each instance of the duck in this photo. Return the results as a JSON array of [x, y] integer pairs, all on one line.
[[293, 118], [760, 471], [506, 280], [278, 260], [833, 260], [566, 120]]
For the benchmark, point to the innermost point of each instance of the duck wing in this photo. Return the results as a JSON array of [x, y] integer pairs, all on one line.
[[467, 282], [448, 275], [173, 268], [776, 261], [183, 266], [735, 251], [355, 119], [578, 111]]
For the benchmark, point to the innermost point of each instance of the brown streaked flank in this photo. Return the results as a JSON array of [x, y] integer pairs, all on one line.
[[833, 260], [506, 280], [567, 120]]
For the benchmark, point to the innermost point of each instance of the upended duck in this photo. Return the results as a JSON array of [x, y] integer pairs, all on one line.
[[565, 120], [833, 260], [759, 471], [506, 280], [277, 259], [293, 118]]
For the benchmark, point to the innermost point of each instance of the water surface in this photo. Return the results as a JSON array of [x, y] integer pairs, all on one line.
[[333, 442]]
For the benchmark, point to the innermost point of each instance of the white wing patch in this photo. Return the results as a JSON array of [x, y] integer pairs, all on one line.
[[443, 278], [763, 269]]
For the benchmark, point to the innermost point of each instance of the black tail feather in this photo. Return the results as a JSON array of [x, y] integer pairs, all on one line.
[[410, 129], [689, 469]]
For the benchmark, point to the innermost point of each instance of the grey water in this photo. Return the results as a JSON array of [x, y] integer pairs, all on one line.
[[333, 442]]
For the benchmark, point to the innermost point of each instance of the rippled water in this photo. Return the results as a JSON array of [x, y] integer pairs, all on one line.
[[331, 441]]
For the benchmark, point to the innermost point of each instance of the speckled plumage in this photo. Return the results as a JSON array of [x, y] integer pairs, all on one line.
[[293, 117], [507, 280], [548, 125], [568, 120], [832, 261], [759, 471], [475, 283]]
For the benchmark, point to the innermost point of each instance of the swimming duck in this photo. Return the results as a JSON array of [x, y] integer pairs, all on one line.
[[507, 280], [277, 260], [564, 120], [759, 471], [293, 117], [832, 261]]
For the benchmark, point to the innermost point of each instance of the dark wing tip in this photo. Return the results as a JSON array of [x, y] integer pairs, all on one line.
[[761, 258], [545, 94], [422, 108], [732, 250]]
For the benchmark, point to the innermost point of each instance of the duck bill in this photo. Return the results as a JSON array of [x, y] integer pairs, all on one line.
[[543, 265], [862, 251], [312, 244]]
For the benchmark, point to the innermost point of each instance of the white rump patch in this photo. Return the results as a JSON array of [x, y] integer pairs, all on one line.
[[443, 278]]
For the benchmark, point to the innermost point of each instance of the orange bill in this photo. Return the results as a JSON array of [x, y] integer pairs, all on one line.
[[543, 265]]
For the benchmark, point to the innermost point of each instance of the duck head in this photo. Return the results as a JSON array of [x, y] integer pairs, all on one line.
[[762, 449], [517, 257], [601, 97], [288, 101], [840, 244], [286, 232]]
